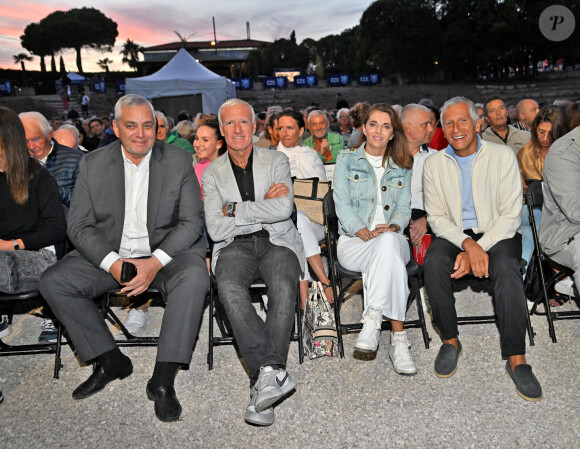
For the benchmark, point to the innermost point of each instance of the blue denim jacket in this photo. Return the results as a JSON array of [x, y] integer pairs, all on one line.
[[355, 192]]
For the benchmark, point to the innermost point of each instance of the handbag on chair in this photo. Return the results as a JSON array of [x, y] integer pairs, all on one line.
[[308, 196], [319, 327]]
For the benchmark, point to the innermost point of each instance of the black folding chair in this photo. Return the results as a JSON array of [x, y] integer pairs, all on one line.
[[338, 272], [226, 336], [21, 303], [535, 198]]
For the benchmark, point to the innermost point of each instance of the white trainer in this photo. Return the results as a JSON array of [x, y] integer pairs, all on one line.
[[400, 355], [4, 327], [137, 320], [368, 338], [565, 286]]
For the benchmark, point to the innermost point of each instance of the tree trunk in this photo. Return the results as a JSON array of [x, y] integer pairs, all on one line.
[[52, 64], [42, 65], [79, 60]]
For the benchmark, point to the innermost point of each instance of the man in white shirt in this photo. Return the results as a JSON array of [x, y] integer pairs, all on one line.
[[419, 129], [137, 201]]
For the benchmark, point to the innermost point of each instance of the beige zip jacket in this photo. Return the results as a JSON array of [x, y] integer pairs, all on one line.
[[497, 195]]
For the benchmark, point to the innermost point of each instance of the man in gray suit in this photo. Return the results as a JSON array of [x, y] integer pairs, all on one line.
[[249, 201], [138, 201]]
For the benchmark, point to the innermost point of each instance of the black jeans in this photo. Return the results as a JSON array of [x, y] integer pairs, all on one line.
[[504, 272], [238, 265]]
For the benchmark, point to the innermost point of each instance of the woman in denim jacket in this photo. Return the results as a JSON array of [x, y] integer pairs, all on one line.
[[372, 193]]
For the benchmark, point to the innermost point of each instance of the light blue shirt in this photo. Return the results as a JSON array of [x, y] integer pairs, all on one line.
[[469, 218]]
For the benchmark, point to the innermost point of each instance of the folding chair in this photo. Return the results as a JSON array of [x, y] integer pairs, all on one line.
[[21, 303], [226, 337], [107, 302], [338, 272], [535, 198]]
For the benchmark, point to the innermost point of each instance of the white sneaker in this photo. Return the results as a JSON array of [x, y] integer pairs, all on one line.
[[368, 338], [271, 386], [565, 286], [400, 355], [4, 327], [137, 320], [264, 418]]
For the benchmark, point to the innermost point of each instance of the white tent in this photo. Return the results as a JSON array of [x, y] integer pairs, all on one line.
[[183, 77]]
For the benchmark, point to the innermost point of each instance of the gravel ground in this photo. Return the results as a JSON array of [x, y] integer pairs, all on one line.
[[339, 403]]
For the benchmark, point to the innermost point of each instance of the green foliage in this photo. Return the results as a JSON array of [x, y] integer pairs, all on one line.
[[282, 53]]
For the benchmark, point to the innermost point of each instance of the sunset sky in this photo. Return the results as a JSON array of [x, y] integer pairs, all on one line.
[[150, 23]]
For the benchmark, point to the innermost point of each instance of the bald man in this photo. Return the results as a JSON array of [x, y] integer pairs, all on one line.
[[65, 137], [527, 109]]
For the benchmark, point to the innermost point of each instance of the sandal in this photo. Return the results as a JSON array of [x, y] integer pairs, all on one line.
[[558, 300], [330, 296]]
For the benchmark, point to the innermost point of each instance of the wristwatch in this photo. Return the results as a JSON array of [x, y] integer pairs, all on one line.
[[230, 209], [16, 245]]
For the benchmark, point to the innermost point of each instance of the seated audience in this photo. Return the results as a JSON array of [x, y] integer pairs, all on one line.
[[304, 163], [499, 130], [343, 127], [326, 143], [372, 240], [473, 198], [550, 124], [137, 202], [560, 227], [32, 224], [418, 127], [357, 115], [172, 138], [248, 201], [271, 137]]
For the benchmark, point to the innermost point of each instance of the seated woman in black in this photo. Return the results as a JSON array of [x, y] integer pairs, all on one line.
[[32, 223]]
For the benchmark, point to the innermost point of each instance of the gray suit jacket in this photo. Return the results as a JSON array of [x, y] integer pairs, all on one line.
[[273, 215], [174, 207], [561, 209]]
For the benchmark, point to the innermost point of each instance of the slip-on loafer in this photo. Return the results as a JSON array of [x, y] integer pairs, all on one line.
[[527, 386], [446, 361], [167, 407], [99, 380]]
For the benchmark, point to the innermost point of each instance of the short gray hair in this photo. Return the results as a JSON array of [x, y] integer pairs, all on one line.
[[412, 107], [457, 100], [160, 116], [235, 102], [131, 100], [317, 113], [73, 129], [40, 119]]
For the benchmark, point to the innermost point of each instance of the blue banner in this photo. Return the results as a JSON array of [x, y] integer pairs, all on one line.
[[306, 80], [6, 87], [368, 79], [340, 79], [243, 83], [275, 82], [120, 87]]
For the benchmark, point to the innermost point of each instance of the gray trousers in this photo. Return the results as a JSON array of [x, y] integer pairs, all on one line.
[[70, 286], [21, 270], [569, 256]]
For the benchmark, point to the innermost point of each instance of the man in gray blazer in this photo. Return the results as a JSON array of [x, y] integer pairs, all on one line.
[[138, 201], [249, 201]]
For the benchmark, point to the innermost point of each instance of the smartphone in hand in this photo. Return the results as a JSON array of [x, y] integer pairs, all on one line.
[[128, 271]]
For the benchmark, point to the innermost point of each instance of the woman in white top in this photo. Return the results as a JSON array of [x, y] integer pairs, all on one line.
[[372, 195], [304, 163]]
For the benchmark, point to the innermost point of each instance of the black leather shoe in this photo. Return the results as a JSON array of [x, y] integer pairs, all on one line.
[[167, 407], [99, 379]]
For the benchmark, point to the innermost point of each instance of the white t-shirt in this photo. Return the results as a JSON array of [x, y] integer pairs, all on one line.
[[417, 177]]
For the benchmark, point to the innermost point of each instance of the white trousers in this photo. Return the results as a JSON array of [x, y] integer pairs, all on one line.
[[382, 261], [311, 234]]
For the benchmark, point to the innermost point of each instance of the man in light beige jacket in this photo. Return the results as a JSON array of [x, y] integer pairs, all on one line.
[[472, 194]]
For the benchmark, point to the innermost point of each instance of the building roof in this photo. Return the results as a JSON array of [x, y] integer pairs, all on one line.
[[247, 43]]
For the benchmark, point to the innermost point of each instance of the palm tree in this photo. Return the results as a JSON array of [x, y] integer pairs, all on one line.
[[104, 64], [20, 58], [183, 38], [130, 54]]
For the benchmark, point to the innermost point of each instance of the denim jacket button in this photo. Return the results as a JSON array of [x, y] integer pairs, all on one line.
[[384, 188], [355, 176], [400, 183], [387, 207]]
